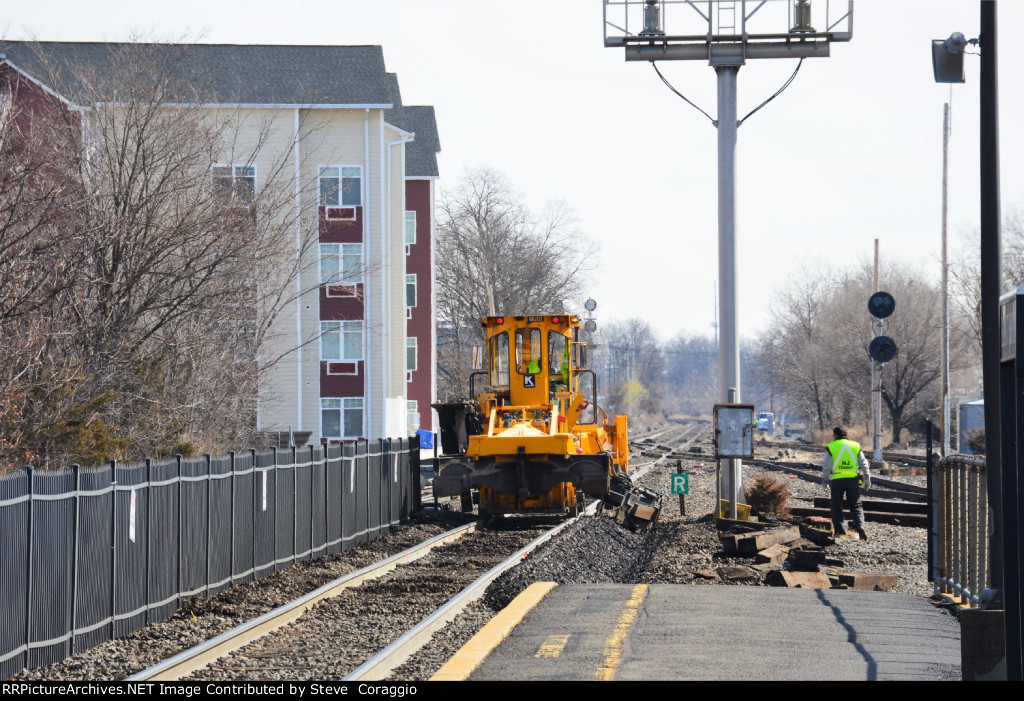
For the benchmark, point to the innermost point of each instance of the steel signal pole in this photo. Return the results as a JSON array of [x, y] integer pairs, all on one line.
[[876, 376], [729, 353]]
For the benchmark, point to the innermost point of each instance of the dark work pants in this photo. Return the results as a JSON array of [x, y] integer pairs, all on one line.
[[850, 488]]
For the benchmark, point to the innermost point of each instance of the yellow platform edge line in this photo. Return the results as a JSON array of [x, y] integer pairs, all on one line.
[[616, 641], [470, 655]]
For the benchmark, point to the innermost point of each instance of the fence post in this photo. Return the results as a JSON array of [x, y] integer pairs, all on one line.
[[327, 502], [149, 533], [252, 454], [113, 546], [312, 484], [231, 454], [273, 449], [930, 520], [209, 517], [28, 569], [391, 472], [76, 469], [295, 503], [178, 532]]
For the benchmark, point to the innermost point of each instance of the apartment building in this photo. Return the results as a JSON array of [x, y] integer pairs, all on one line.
[[353, 347]]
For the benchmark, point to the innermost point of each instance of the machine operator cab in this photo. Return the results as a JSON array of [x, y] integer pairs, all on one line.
[[536, 361]]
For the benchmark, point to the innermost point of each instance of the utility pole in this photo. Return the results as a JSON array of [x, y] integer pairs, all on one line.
[[945, 282], [714, 318]]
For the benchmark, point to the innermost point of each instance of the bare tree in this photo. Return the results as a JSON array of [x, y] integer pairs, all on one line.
[[163, 273], [499, 258], [635, 367], [819, 346], [691, 373], [965, 283], [800, 339]]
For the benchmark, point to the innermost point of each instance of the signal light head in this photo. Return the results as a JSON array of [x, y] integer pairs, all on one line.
[[555, 320], [500, 320]]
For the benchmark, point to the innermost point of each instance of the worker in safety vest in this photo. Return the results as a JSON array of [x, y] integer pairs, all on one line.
[[844, 472]]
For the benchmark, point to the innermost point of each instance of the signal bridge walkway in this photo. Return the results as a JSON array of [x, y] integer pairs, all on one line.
[[629, 632]]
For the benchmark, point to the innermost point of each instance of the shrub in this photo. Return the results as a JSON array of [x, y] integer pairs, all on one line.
[[768, 495]]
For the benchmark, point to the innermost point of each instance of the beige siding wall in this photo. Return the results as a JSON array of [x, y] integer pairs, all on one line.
[[266, 139], [330, 137], [395, 265], [290, 391]]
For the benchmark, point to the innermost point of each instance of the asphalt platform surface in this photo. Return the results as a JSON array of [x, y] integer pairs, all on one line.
[[628, 632]]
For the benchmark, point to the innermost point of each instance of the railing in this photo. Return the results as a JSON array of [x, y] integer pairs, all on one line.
[[959, 534]]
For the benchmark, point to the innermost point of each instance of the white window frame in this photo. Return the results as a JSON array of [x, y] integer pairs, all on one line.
[[340, 177], [341, 408], [412, 343], [341, 328], [410, 279], [355, 251], [409, 212], [234, 177], [412, 409]]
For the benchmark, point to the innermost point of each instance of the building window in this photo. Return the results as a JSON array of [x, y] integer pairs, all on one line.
[[410, 228], [341, 417], [341, 340], [412, 411], [341, 186], [341, 263], [234, 182], [410, 291], [410, 353]]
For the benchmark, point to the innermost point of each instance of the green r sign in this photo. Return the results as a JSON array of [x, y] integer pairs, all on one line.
[[680, 484]]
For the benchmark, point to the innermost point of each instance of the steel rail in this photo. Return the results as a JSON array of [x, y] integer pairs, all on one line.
[[188, 661], [409, 643], [686, 440]]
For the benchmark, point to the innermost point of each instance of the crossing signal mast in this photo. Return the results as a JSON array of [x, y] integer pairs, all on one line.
[[726, 34]]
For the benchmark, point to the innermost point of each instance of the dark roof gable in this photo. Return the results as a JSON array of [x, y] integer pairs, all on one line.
[[227, 73], [421, 154]]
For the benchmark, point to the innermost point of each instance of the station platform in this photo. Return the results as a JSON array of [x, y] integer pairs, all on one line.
[[643, 632]]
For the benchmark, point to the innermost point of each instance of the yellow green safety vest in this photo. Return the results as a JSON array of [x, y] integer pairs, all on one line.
[[845, 458]]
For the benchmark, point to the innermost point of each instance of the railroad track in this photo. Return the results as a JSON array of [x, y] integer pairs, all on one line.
[[684, 436], [283, 641], [298, 640]]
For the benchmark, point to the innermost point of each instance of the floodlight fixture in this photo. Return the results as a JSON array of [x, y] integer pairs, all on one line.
[[948, 58]]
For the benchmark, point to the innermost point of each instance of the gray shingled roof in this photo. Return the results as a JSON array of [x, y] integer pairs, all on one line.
[[228, 73], [421, 154]]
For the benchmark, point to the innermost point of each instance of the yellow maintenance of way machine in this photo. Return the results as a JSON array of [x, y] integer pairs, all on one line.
[[534, 439]]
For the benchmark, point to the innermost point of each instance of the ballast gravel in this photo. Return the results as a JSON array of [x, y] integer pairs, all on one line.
[[343, 632]]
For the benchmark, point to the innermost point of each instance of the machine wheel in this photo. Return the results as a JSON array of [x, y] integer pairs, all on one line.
[[467, 502], [581, 504]]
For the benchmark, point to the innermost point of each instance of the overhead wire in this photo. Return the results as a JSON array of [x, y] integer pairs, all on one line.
[[712, 119], [775, 95], [687, 100]]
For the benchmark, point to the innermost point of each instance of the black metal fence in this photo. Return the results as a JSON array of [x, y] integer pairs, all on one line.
[[88, 555]]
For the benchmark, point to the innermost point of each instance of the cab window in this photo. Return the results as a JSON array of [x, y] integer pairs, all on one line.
[[558, 356], [528, 351], [499, 360]]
